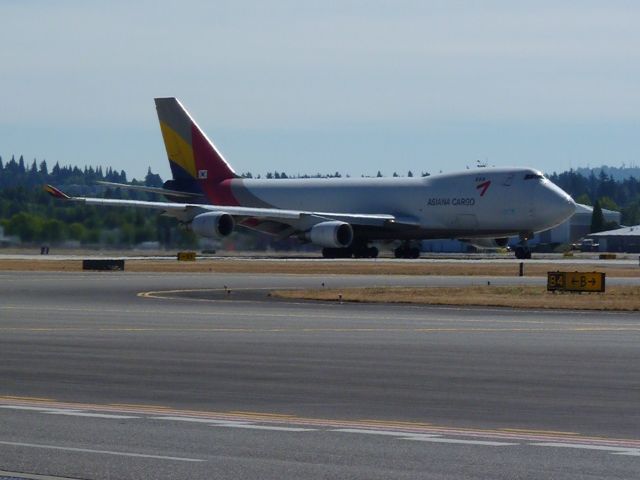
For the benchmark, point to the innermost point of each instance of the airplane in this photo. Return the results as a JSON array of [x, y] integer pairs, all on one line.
[[344, 216]]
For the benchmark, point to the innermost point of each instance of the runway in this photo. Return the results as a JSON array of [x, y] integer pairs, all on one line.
[[101, 379]]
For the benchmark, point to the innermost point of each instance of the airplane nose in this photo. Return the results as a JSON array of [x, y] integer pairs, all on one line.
[[556, 203]]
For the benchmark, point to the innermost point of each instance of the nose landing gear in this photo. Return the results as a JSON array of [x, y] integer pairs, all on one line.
[[523, 251]]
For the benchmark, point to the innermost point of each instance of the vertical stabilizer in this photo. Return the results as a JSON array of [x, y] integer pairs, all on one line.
[[195, 162]]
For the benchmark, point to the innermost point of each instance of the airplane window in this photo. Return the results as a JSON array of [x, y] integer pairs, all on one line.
[[531, 176]]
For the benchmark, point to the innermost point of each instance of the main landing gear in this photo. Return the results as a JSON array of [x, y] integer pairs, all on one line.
[[355, 251], [406, 250]]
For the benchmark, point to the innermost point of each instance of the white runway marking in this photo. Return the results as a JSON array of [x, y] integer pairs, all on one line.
[[381, 432], [421, 437], [201, 420], [628, 448], [71, 413], [462, 442], [94, 415], [265, 427], [235, 424], [34, 409], [634, 452], [102, 452]]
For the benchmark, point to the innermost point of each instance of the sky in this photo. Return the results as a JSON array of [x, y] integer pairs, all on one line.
[[304, 86]]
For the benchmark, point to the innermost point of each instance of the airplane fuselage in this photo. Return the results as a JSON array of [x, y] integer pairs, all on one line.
[[488, 202]]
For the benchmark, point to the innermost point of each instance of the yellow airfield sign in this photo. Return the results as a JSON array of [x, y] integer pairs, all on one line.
[[576, 281], [187, 256]]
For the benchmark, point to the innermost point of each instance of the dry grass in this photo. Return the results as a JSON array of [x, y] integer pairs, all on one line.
[[615, 298], [363, 267]]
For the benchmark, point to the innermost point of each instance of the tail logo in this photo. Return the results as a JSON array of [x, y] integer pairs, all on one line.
[[203, 174]]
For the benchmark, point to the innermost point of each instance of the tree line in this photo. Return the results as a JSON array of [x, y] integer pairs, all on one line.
[[29, 213], [619, 195], [32, 215]]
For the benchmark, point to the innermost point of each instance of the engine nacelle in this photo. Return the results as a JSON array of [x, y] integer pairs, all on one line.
[[333, 234], [488, 242], [213, 224]]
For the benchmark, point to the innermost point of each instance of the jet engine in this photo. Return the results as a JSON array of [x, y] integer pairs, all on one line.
[[213, 224], [333, 234], [487, 242]]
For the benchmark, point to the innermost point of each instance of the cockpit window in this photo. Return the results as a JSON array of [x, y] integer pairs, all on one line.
[[531, 176]]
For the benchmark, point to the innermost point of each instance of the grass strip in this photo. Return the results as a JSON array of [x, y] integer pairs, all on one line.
[[621, 298], [363, 267]]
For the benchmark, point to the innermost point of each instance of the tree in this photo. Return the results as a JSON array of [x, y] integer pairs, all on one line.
[[608, 204], [583, 199], [44, 171], [597, 219], [152, 179], [379, 175]]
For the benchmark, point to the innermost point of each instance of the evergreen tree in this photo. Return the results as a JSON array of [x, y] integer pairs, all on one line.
[[597, 219], [608, 204], [583, 199], [152, 179]]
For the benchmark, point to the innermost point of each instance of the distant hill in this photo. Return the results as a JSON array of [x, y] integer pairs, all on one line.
[[617, 173]]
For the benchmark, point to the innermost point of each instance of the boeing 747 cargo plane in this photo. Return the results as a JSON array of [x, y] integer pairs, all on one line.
[[344, 215]]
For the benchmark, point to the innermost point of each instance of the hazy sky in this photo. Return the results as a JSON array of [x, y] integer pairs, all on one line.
[[302, 87]]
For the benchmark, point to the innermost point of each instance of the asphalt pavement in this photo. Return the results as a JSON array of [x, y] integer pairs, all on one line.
[[102, 379]]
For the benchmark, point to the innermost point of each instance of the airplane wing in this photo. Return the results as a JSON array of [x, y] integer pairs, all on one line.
[[251, 217], [142, 188]]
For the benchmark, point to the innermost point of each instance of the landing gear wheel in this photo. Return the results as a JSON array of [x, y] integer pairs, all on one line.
[[522, 253], [336, 252], [404, 251]]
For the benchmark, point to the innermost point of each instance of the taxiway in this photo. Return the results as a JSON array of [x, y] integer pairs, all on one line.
[[103, 379]]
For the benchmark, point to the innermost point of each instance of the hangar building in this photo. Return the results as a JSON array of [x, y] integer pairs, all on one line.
[[625, 239]]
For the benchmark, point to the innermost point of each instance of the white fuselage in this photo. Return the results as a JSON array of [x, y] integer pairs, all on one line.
[[488, 202]]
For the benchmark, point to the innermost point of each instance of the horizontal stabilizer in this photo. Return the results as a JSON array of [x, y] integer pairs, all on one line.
[[54, 192]]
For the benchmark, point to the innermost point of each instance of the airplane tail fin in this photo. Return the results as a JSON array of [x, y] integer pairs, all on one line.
[[196, 164]]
